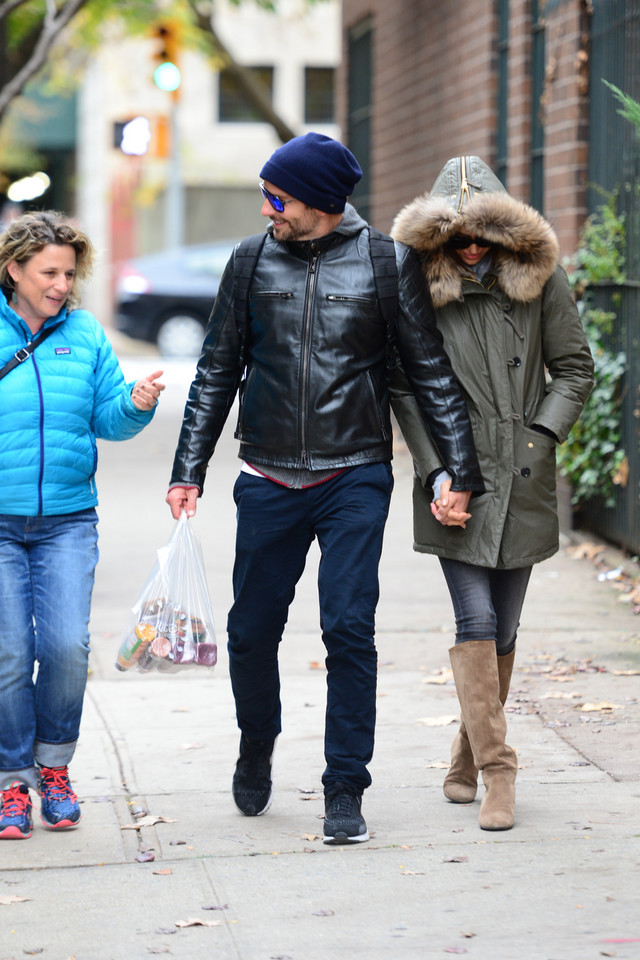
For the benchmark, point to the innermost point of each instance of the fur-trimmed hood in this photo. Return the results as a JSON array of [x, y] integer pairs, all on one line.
[[468, 198]]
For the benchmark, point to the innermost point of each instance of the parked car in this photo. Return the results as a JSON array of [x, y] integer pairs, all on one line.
[[166, 298]]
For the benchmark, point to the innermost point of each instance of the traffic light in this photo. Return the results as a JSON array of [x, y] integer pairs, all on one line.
[[166, 56]]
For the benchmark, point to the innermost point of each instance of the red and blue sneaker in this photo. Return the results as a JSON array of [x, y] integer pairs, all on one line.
[[15, 812], [60, 807]]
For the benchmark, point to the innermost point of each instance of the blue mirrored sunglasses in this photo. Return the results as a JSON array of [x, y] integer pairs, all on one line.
[[275, 202]]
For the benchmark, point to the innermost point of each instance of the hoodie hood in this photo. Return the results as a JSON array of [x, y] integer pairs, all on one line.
[[468, 198]]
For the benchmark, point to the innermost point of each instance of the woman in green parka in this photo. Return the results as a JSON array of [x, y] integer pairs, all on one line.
[[511, 328]]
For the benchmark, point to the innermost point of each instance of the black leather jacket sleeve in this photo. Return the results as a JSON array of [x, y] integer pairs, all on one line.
[[428, 370], [213, 390]]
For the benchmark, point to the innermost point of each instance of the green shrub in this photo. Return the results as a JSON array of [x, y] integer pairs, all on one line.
[[592, 457]]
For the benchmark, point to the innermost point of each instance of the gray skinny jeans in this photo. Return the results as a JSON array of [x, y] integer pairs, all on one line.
[[487, 603]]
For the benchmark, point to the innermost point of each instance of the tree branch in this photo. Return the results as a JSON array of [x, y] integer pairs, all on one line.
[[251, 86], [54, 22]]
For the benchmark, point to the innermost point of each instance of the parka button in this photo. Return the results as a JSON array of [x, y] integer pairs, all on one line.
[[517, 361], [526, 472]]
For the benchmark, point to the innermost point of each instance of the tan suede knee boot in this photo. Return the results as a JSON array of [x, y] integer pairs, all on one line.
[[461, 782], [475, 671]]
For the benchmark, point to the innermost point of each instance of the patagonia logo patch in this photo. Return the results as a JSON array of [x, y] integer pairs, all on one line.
[[63, 350]]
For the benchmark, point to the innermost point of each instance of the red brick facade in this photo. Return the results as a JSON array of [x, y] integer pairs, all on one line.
[[435, 95]]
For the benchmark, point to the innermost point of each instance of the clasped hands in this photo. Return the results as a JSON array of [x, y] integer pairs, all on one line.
[[450, 509]]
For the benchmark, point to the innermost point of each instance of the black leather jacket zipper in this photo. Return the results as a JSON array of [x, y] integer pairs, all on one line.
[[306, 344]]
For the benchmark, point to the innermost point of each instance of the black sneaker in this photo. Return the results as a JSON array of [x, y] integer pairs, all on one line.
[[343, 822], [252, 787]]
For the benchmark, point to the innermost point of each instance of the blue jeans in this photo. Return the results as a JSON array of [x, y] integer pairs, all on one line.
[[487, 603], [276, 527], [47, 569]]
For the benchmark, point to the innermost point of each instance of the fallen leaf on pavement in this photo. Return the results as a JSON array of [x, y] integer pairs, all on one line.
[[585, 551], [310, 836], [442, 676], [413, 873], [438, 765], [147, 821], [438, 721], [145, 856], [162, 873], [12, 899], [195, 922], [461, 859], [603, 706], [555, 695], [625, 673]]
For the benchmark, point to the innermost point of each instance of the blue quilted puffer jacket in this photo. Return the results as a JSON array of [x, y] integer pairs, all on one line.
[[53, 407]]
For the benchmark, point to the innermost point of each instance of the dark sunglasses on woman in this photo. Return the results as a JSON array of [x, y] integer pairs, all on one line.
[[460, 241]]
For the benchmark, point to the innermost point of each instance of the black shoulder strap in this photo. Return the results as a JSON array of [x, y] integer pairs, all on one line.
[[25, 352], [247, 253], [385, 272]]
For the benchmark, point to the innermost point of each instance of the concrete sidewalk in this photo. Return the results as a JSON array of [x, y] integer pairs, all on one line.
[[562, 885]]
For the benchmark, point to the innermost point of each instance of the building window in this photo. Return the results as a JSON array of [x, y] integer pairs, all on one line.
[[536, 196], [503, 91], [234, 106], [359, 109], [318, 95]]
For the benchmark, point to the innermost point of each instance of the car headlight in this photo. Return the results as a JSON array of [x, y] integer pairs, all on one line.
[[133, 284]]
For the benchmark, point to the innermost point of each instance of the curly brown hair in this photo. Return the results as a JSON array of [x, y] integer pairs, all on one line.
[[31, 232]]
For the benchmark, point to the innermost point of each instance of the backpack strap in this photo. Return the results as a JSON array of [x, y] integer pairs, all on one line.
[[247, 253], [385, 272]]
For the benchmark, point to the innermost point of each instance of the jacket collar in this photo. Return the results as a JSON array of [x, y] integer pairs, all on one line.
[[350, 225]]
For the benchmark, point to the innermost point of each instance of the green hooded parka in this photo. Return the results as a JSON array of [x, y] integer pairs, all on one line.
[[519, 351]]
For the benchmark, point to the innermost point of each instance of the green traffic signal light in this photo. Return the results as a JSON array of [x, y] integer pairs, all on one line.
[[167, 76]]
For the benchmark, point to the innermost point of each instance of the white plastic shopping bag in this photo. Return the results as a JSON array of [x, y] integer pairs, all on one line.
[[172, 624]]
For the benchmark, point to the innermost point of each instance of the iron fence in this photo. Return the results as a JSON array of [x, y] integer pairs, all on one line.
[[614, 166]]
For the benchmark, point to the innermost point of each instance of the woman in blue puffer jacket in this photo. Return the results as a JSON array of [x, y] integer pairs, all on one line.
[[54, 405]]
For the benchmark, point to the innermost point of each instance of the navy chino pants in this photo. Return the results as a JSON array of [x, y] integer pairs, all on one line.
[[275, 529]]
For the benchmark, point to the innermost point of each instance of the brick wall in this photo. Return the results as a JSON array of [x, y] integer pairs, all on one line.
[[566, 111]]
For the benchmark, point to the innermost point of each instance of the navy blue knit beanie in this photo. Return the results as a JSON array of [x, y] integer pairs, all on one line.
[[315, 169]]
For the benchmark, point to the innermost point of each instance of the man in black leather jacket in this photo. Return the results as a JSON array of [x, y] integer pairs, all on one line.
[[316, 444]]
